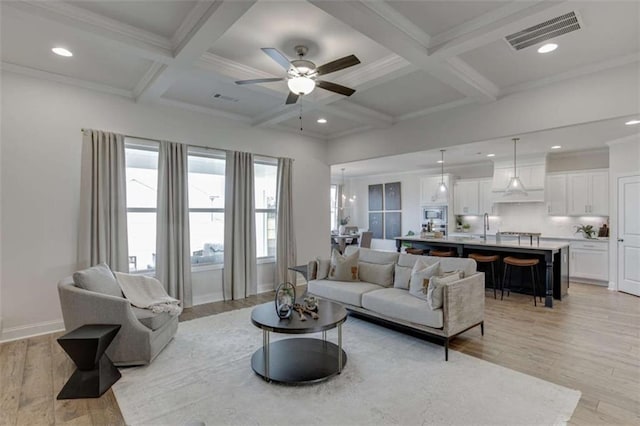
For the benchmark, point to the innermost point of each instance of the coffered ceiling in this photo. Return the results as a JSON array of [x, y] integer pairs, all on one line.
[[417, 57]]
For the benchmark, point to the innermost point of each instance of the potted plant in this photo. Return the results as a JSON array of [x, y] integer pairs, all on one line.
[[587, 231], [466, 227]]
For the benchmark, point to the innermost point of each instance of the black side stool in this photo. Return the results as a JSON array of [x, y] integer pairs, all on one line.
[[96, 373], [490, 259], [509, 263]]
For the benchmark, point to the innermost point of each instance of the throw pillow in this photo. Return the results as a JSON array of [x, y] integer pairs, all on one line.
[[323, 268], [98, 278], [402, 277], [376, 273], [420, 278], [435, 292], [344, 268]]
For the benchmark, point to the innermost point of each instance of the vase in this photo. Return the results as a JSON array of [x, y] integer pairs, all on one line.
[[341, 229]]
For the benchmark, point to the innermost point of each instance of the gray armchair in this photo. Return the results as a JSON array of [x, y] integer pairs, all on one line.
[[142, 336]]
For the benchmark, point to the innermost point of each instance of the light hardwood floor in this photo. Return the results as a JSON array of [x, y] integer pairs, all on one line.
[[590, 341]]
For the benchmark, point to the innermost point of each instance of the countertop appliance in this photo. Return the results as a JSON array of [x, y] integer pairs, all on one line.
[[437, 217]]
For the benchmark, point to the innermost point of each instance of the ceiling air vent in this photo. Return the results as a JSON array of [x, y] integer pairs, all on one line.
[[545, 31], [221, 97]]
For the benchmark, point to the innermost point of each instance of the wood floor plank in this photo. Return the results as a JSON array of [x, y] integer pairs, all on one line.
[[36, 403], [12, 359]]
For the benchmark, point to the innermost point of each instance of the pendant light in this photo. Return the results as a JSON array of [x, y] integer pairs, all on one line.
[[515, 186], [442, 191]]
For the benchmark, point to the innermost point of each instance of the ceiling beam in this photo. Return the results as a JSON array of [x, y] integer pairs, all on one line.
[[379, 22], [211, 25]]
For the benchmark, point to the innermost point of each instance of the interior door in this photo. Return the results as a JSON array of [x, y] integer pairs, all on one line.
[[629, 235]]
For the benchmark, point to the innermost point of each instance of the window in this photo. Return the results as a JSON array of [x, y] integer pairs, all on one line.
[[334, 207], [142, 180], [265, 192], [206, 206]]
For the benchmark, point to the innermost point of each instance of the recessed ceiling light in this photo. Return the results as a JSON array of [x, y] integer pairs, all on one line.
[[632, 122], [491, 155], [62, 51], [440, 161], [546, 48], [322, 120], [556, 147]]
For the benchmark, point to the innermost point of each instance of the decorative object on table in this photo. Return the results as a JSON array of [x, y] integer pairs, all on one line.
[[343, 224], [587, 231], [311, 303], [458, 223], [406, 243], [392, 196], [603, 232], [301, 309], [285, 299], [95, 373]]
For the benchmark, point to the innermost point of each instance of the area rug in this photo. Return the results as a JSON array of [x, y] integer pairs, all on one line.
[[204, 376]]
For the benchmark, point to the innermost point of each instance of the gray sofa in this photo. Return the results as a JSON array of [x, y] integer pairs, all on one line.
[[463, 300], [142, 336]]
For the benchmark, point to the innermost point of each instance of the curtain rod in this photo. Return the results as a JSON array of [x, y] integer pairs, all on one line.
[[197, 146]]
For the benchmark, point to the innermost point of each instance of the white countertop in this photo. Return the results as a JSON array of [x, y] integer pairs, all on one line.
[[542, 237], [491, 242]]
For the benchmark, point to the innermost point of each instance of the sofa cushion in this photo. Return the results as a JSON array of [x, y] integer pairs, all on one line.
[[402, 276], [399, 304], [436, 285], [421, 275], [323, 268], [376, 273], [340, 291], [343, 268], [149, 319], [468, 266], [373, 256], [98, 278]]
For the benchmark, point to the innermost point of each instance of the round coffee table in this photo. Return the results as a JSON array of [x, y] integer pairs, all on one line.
[[299, 360]]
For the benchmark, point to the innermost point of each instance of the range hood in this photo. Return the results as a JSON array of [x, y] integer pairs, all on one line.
[[532, 171]]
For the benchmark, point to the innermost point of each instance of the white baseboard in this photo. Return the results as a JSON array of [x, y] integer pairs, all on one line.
[[207, 298], [32, 330], [612, 286]]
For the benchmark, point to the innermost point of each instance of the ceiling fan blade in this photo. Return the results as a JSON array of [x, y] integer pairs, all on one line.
[[292, 98], [336, 88], [338, 64], [277, 56], [259, 80]]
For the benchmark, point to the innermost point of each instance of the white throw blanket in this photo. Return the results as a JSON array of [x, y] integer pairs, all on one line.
[[147, 293]]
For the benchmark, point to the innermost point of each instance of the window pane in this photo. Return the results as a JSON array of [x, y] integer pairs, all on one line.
[[265, 185], [266, 234], [207, 237], [206, 182], [142, 241], [142, 177]]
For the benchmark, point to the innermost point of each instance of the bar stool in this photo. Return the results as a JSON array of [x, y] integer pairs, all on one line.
[[491, 259], [412, 250], [509, 263], [442, 253]]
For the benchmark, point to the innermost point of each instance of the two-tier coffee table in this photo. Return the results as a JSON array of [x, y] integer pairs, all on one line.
[[299, 360]]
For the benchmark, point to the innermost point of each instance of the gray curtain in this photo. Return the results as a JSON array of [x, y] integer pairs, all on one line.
[[285, 239], [240, 270], [103, 215], [173, 252]]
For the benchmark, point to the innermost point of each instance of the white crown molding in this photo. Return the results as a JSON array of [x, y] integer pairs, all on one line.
[[152, 73], [148, 44], [398, 20], [204, 110], [470, 76], [437, 108], [574, 73], [46, 75], [190, 22]]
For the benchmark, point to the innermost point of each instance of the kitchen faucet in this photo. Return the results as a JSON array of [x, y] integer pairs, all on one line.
[[485, 225]]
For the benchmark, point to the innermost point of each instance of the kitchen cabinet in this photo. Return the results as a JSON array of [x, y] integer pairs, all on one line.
[[588, 193], [532, 176], [589, 260], [429, 194], [485, 195], [465, 198], [556, 194]]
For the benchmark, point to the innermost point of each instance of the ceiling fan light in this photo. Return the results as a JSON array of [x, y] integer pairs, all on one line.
[[301, 85]]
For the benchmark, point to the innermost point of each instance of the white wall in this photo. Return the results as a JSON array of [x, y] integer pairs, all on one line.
[[598, 96], [624, 160], [40, 172]]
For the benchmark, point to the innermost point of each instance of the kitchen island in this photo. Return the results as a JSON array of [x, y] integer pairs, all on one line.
[[554, 257]]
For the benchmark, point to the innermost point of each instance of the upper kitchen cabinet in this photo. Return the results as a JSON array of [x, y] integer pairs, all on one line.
[[466, 198], [429, 193], [485, 196], [532, 173], [556, 194], [588, 193]]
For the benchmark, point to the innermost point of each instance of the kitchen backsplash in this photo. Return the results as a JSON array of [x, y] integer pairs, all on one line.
[[532, 217]]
